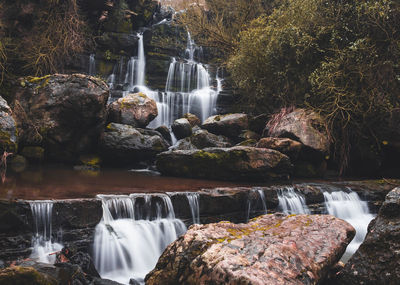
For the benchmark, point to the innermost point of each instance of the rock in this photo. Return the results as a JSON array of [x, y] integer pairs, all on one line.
[[164, 131], [181, 128], [377, 259], [257, 123], [63, 113], [136, 110], [193, 119], [309, 169], [235, 163], [33, 153], [8, 128], [202, 139], [249, 135], [230, 125], [24, 275], [284, 145], [249, 142], [85, 262], [271, 249], [124, 144], [304, 126]]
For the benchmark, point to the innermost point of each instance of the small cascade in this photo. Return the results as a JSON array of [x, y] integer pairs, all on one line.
[[132, 235], [349, 207], [135, 71], [92, 65], [42, 241], [256, 197], [193, 199], [291, 202]]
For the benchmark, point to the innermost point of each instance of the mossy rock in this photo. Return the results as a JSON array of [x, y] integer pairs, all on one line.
[[24, 275]]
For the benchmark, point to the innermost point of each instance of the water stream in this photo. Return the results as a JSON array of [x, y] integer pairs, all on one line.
[[42, 242], [193, 199], [255, 200], [349, 207], [132, 235], [292, 202]]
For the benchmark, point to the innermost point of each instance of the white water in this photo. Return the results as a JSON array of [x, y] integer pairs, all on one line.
[[349, 207], [42, 241], [132, 235], [193, 199], [291, 202], [188, 85], [92, 65], [253, 203]]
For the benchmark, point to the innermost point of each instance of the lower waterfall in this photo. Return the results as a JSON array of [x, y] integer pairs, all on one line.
[[132, 235]]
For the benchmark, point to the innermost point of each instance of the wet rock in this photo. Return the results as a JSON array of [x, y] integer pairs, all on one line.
[[235, 163], [136, 110], [85, 262], [271, 249], [193, 119], [126, 145], [230, 125], [249, 135], [65, 114], [304, 126], [284, 145], [164, 131], [181, 128], [8, 128], [377, 261]]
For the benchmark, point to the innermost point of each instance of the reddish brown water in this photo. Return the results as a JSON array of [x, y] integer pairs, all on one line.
[[62, 183]]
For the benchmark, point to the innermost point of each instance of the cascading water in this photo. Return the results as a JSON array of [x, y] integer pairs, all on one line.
[[291, 202], [92, 65], [42, 241], [132, 235], [349, 207], [188, 86], [193, 199], [253, 203]]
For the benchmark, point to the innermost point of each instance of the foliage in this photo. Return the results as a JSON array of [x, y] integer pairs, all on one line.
[[43, 36], [340, 58], [217, 23]]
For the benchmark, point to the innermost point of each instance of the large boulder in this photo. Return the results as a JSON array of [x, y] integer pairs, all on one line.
[[136, 110], [304, 126], [201, 139], [284, 145], [230, 125], [8, 128], [235, 163], [181, 128], [377, 261], [124, 144], [271, 249], [65, 114]]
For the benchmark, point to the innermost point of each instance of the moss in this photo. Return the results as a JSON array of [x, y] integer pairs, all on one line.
[[90, 160], [6, 143], [110, 128], [24, 275], [40, 82]]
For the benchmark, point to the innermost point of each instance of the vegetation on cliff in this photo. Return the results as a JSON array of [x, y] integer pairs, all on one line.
[[340, 58]]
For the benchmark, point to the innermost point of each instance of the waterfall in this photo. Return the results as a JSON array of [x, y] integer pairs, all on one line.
[[42, 241], [92, 65], [291, 202], [193, 199], [253, 204], [132, 234], [349, 207], [136, 68], [188, 86]]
